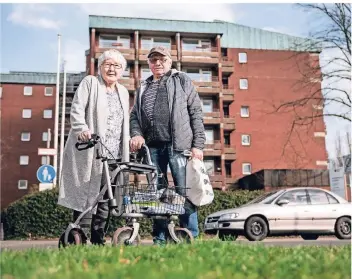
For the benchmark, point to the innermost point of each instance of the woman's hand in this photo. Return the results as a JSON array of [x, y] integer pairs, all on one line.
[[136, 143], [85, 136]]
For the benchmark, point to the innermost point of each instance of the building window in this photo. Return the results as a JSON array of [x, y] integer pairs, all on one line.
[[0, 92], [24, 160], [318, 107], [246, 139], [25, 136], [228, 168], [242, 57], [150, 42], [246, 168], [47, 114], [209, 165], [209, 136], [145, 73], [48, 91], [319, 134], [45, 136], [227, 139], [243, 83], [44, 160], [126, 73], [207, 105], [26, 113], [114, 41], [196, 74], [27, 90], [22, 184], [244, 111], [196, 45]]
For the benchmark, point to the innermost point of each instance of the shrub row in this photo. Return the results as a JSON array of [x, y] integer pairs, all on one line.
[[37, 215]]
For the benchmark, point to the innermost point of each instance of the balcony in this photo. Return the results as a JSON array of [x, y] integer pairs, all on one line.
[[227, 65], [142, 54], [230, 180], [208, 88], [210, 56], [228, 93], [213, 149], [230, 156], [129, 83], [212, 117], [216, 177], [229, 123], [229, 149], [128, 53]]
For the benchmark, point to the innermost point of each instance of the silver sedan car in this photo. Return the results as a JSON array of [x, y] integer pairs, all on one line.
[[304, 211]]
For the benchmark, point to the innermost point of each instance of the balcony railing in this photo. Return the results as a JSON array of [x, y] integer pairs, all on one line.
[[209, 56], [127, 52]]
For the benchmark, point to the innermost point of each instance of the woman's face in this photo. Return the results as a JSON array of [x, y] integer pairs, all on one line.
[[111, 70]]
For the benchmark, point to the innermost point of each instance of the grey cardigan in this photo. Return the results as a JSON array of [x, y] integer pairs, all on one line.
[[187, 128], [81, 175]]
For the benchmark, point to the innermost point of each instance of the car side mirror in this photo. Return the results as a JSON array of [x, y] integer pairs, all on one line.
[[283, 201]]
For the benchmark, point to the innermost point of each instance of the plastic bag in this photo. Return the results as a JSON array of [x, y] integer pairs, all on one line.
[[199, 190]]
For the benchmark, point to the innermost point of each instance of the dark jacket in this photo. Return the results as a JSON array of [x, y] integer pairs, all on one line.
[[185, 109]]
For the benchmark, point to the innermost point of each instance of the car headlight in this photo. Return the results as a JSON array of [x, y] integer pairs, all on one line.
[[230, 216]]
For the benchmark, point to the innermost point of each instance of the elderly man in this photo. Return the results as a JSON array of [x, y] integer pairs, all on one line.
[[167, 116]]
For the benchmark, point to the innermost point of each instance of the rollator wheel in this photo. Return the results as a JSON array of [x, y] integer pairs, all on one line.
[[184, 235], [74, 238], [123, 234]]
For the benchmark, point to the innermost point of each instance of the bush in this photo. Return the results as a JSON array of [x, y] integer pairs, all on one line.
[[37, 215]]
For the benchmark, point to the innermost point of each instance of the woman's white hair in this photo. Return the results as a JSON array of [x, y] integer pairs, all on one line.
[[113, 54]]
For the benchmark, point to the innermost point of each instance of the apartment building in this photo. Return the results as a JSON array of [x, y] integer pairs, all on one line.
[[240, 73], [27, 103]]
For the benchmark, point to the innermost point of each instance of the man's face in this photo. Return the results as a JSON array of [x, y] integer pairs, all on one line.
[[111, 70], [159, 64]]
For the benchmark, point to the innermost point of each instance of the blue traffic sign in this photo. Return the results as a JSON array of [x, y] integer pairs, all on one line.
[[46, 174]]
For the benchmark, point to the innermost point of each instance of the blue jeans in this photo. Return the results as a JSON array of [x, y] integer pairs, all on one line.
[[162, 157]]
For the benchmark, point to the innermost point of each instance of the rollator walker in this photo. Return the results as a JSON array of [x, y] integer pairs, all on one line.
[[131, 201]]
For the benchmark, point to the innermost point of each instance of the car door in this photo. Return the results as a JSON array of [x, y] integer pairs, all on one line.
[[291, 217], [323, 210]]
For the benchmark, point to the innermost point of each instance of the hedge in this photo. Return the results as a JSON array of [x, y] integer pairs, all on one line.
[[37, 215]]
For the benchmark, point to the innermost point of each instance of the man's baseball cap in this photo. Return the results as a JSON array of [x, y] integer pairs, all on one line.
[[161, 50]]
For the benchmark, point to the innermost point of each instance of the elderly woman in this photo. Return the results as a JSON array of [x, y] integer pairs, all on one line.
[[100, 106]]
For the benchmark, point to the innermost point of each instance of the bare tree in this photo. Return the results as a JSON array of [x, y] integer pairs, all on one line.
[[332, 98]]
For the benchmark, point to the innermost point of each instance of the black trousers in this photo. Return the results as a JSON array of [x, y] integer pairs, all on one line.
[[96, 223]]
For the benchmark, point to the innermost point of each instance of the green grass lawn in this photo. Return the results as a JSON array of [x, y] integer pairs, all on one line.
[[202, 260]]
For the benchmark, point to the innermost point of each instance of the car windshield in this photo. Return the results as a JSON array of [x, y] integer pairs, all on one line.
[[265, 198]]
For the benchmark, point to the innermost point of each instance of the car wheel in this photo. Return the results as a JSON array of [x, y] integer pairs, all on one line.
[[343, 228], [227, 235], [256, 229], [310, 236]]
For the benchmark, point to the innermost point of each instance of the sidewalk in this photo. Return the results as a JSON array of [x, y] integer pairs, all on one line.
[[53, 243]]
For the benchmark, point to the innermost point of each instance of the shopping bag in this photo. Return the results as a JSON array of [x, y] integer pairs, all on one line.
[[198, 188]]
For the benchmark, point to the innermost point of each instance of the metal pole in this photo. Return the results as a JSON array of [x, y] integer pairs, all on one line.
[[57, 100], [48, 146], [63, 115]]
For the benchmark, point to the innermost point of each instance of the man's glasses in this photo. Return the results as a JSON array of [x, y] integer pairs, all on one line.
[[153, 60], [115, 66]]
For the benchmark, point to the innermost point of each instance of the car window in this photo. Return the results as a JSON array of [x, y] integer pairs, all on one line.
[[296, 197], [318, 197], [331, 198]]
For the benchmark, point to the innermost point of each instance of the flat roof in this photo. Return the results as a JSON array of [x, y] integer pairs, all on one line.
[[232, 35]]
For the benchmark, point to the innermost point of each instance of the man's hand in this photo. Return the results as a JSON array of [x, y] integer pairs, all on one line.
[[136, 143], [197, 153], [85, 136]]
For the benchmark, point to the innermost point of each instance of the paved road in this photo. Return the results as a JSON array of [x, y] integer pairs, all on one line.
[[285, 242]]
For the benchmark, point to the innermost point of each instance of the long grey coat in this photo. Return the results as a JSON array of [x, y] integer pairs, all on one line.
[[81, 175]]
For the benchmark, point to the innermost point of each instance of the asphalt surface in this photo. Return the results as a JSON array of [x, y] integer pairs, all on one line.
[[284, 242]]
